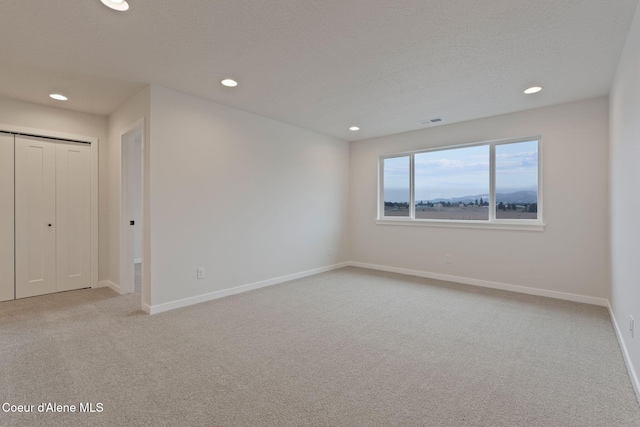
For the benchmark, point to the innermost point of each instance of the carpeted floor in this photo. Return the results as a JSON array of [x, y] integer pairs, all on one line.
[[350, 347]]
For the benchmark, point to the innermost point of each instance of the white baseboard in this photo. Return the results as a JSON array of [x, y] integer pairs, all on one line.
[[458, 279], [625, 354], [487, 284], [159, 308], [109, 284], [526, 290]]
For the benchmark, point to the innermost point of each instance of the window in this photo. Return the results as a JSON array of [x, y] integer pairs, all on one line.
[[492, 183], [397, 193], [517, 180], [453, 184]]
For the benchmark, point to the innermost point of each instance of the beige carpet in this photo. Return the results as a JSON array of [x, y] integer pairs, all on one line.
[[345, 348]]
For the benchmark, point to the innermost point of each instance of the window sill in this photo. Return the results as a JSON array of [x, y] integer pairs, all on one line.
[[495, 225]]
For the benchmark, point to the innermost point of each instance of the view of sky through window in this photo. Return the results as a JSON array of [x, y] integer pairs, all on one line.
[[451, 174], [397, 196], [396, 179], [517, 167], [517, 180]]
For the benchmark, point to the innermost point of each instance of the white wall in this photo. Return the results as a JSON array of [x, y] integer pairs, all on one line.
[[245, 197], [625, 194], [121, 121], [570, 255], [46, 118]]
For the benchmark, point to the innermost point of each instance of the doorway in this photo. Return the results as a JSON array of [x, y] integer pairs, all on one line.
[[131, 251]]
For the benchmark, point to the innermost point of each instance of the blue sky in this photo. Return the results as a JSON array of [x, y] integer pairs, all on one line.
[[517, 167], [463, 172]]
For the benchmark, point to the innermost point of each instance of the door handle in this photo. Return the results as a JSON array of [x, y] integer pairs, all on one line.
[[130, 223], [49, 225]]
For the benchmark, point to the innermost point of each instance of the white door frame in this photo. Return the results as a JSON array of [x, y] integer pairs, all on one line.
[[94, 181], [126, 231]]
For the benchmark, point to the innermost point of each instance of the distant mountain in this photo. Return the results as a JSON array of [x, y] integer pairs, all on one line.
[[518, 197]]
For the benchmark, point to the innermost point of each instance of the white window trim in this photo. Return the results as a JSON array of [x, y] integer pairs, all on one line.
[[493, 223]]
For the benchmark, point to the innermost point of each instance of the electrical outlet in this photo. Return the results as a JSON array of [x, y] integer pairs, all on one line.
[[631, 325], [200, 273], [447, 259]]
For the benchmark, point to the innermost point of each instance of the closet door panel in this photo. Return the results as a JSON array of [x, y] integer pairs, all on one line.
[[6, 218], [73, 213], [35, 193]]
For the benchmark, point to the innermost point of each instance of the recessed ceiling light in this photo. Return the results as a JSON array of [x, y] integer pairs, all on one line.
[[533, 89], [119, 5], [229, 83], [58, 97], [354, 128]]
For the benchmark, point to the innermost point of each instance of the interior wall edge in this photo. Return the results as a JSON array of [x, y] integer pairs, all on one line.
[[109, 284], [625, 354]]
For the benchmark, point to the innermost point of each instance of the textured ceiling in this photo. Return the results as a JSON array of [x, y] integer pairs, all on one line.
[[324, 65]]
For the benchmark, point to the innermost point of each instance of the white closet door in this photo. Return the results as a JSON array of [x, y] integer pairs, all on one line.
[[35, 223], [73, 213], [6, 217]]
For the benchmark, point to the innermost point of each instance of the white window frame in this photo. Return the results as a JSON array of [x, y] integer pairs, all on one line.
[[493, 222]]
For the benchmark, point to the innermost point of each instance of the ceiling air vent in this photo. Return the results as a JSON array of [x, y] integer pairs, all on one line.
[[429, 121]]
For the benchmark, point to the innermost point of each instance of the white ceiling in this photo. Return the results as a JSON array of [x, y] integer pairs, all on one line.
[[324, 65]]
